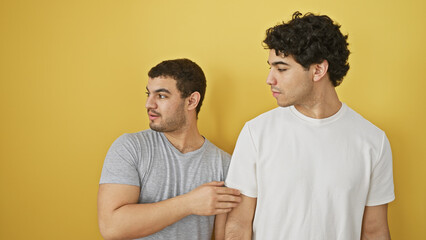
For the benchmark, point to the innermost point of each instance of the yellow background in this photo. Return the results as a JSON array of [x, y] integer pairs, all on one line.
[[73, 75]]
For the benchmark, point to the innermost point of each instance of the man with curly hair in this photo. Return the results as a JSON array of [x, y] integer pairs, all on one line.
[[313, 168]]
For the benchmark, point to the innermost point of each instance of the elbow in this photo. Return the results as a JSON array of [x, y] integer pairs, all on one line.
[[113, 231], [110, 235], [376, 233], [108, 232], [107, 236]]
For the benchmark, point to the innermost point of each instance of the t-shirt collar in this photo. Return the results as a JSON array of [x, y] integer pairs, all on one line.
[[320, 121]]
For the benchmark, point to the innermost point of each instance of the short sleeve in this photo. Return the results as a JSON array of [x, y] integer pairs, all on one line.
[[121, 162], [226, 159], [242, 170], [381, 181]]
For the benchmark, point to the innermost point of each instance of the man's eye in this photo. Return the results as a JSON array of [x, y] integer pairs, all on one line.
[[147, 94], [281, 70], [161, 96]]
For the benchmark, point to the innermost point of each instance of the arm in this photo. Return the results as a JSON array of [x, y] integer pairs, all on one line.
[[375, 223], [121, 217], [240, 220], [219, 226]]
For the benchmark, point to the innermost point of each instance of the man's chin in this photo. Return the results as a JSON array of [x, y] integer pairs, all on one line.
[[159, 128], [155, 128], [283, 104]]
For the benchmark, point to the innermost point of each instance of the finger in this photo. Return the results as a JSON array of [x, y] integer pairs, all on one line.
[[228, 198], [215, 183], [222, 205], [230, 191], [222, 211]]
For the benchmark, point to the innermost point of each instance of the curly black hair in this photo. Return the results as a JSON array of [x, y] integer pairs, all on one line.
[[188, 75], [310, 39]]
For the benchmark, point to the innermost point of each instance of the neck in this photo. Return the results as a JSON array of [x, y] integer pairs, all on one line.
[[323, 102], [186, 139]]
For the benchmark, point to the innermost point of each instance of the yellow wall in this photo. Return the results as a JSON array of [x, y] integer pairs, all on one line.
[[73, 75]]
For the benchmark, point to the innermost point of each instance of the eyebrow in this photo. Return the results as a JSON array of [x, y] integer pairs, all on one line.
[[160, 90], [278, 63]]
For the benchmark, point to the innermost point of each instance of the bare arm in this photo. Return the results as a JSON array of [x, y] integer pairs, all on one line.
[[219, 226], [239, 224], [375, 223], [121, 217]]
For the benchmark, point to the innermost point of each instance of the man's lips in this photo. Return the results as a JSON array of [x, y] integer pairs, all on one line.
[[153, 116], [275, 93]]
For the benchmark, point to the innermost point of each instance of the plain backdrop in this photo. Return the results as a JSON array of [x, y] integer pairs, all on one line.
[[73, 77]]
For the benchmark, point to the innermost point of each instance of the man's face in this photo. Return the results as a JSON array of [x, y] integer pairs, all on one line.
[[291, 83], [165, 107]]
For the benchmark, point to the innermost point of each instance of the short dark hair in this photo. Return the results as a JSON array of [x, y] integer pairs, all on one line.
[[188, 75], [311, 39]]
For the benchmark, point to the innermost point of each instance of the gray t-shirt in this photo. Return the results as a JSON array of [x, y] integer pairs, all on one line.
[[147, 159]]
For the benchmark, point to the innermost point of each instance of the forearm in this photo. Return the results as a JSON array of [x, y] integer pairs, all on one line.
[[237, 231], [219, 226], [139, 220], [239, 223]]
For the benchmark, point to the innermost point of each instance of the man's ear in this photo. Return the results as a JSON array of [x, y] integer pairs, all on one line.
[[320, 70], [193, 100]]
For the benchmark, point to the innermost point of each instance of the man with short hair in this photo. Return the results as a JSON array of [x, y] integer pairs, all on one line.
[[311, 169], [166, 182]]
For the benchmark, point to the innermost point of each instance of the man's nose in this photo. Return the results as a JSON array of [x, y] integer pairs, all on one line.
[[270, 80], [150, 103]]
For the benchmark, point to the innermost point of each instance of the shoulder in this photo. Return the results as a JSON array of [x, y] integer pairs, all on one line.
[[145, 135], [366, 133], [267, 122], [269, 115], [138, 140], [359, 123], [148, 133], [217, 152], [218, 158]]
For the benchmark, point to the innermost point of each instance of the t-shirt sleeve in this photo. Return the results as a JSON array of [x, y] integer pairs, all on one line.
[[242, 170], [381, 182], [226, 160], [121, 162]]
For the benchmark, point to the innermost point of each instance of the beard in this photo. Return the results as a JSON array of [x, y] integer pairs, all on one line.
[[174, 122]]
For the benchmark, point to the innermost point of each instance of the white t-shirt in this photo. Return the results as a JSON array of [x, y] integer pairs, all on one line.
[[312, 177]]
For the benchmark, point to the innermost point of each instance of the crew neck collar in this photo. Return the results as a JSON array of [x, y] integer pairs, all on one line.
[[319, 121]]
